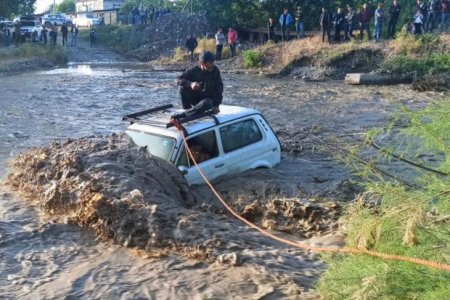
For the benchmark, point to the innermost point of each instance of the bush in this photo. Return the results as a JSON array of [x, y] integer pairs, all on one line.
[[435, 63], [55, 54], [253, 59], [415, 45]]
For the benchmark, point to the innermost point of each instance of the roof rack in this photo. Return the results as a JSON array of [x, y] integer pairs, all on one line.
[[135, 117]]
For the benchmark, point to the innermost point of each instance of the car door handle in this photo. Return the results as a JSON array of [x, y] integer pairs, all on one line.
[[219, 165]]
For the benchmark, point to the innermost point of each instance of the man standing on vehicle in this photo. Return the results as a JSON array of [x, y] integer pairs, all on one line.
[[200, 88]]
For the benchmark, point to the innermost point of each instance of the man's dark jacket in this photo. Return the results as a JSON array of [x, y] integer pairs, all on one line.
[[325, 19], [212, 86], [394, 11], [191, 43]]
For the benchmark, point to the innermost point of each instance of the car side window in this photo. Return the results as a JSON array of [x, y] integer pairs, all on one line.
[[239, 134], [203, 147]]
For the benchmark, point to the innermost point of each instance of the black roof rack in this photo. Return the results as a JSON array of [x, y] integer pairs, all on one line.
[[135, 117]]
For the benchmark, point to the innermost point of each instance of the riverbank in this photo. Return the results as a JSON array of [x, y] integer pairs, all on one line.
[[30, 57]]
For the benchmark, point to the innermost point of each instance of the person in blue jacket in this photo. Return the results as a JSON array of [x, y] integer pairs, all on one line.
[[285, 21]]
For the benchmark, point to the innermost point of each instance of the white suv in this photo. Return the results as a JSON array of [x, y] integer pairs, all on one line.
[[28, 26], [235, 140]]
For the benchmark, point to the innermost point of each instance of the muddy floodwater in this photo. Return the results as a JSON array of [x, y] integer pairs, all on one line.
[[42, 257]]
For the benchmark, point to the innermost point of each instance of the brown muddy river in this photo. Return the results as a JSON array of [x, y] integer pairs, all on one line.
[[41, 257]]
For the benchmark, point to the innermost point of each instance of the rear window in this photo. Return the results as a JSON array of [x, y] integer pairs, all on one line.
[[239, 134], [157, 145]]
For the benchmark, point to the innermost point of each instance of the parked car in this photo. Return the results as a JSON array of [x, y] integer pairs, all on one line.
[[28, 26], [233, 141], [87, 20], [58, 19], [6, 23]]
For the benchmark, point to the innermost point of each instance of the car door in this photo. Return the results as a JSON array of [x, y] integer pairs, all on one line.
[[245, 146], [205, 150]]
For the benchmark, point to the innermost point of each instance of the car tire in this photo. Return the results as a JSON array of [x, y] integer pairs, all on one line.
[[47, 24], [69, 23]]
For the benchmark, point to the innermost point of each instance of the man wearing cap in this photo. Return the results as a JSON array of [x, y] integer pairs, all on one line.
[[200, 87]]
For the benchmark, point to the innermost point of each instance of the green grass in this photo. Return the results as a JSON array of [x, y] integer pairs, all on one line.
[[55, 54], [413, 222], [432, 64]]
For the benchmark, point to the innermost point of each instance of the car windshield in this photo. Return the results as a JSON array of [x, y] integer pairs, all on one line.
[[157, 145], [25, 23]]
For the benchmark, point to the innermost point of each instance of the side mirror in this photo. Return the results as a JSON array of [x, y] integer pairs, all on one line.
[[183, 169]]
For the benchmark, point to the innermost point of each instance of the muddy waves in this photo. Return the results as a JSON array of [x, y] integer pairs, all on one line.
[[116, 189]]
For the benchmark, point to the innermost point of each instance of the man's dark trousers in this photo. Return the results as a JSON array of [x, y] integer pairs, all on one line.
[[193, 103]]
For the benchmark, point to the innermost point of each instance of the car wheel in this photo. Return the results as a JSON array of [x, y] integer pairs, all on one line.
[[69, 23], [47, 24]]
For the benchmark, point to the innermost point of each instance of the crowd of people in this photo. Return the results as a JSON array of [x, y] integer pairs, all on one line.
[[146, 15], [426, 17], [43, 36]]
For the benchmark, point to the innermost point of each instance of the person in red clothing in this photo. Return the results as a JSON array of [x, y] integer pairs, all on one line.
[[232, 40], [364, 21]]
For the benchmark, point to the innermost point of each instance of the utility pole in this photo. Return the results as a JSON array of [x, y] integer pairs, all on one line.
[[54, 6]]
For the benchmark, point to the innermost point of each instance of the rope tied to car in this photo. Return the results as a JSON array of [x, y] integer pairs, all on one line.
[[301, 245]]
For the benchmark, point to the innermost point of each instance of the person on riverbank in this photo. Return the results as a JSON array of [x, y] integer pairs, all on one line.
[[379, 19], [200, 87], [190, 45], [53, 35], [232, 41], [64, 32], [364, 21], [220, 41], [350, 24], [92, 38], [271, 26], [432, 15], [299, 24], [285, 22], [339, 20], [325, 24], [418, 22], [445, 15], [394, 13], [7, 35], [44, 33], [74, 32]]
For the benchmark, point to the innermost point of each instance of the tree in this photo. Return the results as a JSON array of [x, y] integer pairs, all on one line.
[[9, 8], [66, 6]]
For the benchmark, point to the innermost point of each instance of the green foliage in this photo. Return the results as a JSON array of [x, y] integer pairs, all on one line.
[[55, 54], [9, 8], [120, 38], [406, 221], [253, 59], [66, 6]]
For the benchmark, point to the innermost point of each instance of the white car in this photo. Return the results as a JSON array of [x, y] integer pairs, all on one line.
[[86, 20], [28, 26], [58, 19], [233, 141]]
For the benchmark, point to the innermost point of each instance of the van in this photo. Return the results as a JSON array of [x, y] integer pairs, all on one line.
[[235, 140]]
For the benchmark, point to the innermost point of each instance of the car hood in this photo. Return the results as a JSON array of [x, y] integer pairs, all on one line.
[[29, 27]]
